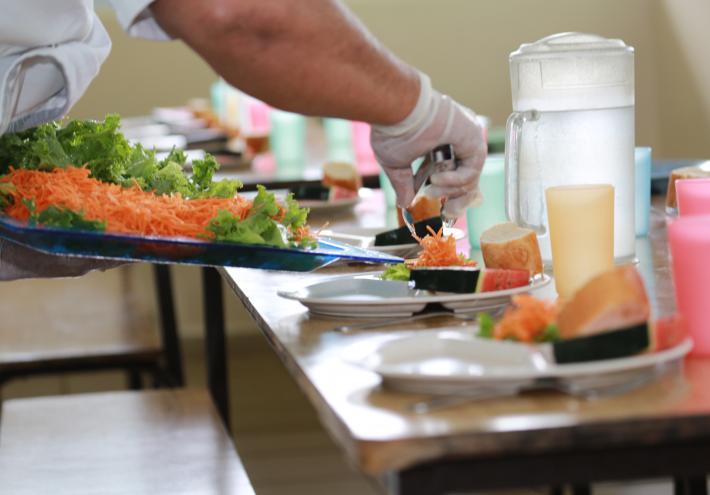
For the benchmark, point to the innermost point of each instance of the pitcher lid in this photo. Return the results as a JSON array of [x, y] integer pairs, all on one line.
[[570, 71], [568, 43]]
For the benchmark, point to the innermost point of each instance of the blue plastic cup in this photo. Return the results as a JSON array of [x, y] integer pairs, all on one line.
[[643, 190], [288, 143], [492, 210]]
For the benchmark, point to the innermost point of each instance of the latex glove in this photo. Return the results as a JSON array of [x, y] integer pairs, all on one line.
[[436, 119], [17, 261]]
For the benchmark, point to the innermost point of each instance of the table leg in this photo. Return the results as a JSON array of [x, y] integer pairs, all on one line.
[[215, 342], [168, 324], [581, 489], [691, 485]]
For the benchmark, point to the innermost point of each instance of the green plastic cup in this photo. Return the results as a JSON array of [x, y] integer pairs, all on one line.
[[339, 136], [492, 210], [388, 190], [288, 143]]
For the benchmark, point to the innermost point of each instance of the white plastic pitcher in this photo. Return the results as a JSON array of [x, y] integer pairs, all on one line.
[[572, 123]]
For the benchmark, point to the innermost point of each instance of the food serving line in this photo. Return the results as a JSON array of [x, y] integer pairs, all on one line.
[[660, 429]]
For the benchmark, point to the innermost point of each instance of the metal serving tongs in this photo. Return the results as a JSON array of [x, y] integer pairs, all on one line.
[[440, 159]]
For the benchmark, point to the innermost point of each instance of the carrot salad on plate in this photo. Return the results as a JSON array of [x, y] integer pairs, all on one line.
[[437, 251]]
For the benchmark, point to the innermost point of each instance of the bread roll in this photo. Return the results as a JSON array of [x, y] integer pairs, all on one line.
[[683, 173], [423, 208], [613, 299], [341, 174], [507, 245]]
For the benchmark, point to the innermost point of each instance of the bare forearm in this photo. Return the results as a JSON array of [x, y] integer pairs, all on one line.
[[307, 56]]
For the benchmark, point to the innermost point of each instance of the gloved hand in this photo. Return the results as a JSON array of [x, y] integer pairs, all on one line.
[[436, 119], [17, 261]]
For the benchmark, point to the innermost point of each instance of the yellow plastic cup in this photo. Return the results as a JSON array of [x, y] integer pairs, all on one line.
[[581, 222]]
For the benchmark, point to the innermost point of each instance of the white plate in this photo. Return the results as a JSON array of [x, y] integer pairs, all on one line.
[[450, 361], [365, 238], [366, 296], [330, 206]]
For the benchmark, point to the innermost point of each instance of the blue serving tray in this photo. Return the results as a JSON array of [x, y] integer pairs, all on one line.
[[182, 250]]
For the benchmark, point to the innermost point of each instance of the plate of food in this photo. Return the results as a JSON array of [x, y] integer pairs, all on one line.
[[331, 205], [600, 337], [367, 296], [339, 189], [397, 242], [438, 277], [451, 362], [126, 203]]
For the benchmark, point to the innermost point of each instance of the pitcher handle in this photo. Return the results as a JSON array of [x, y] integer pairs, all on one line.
[[513, 133]]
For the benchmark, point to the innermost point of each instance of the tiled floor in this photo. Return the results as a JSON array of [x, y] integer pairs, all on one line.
[[277, 433]]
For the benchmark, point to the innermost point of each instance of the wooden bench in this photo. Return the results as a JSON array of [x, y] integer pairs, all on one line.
[[150, 442], [99, 321]]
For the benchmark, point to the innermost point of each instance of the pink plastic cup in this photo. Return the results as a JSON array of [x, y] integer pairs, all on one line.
[[366, 161], [690, 250], [693, 196], [259, 117]]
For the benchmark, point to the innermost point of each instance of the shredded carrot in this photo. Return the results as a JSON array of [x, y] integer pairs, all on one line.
[[301, 233], [525, 319], [124, 209], [438, 250]]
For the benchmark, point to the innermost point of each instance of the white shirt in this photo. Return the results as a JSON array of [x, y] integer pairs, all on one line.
[[50, 51], [135, 17]]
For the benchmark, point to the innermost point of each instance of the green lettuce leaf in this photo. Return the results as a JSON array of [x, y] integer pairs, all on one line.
[[141, 167], [203, 184], [6, 190], [61, 217], [396, 272], [258, 227], [36, 148], [252, 230], [99, 146], [175, 155], [264, 203], [295, 216], [227, 227], [110, 157], [170, 179], [202, 172], [225, 188], [550, 334], [485, 325]]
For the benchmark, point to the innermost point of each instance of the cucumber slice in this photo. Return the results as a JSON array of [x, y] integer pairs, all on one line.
[[460, 279], [402, 235], [311, 192], [613, 344]]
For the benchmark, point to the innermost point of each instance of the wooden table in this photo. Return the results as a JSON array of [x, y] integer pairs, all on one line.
[[661, 429]]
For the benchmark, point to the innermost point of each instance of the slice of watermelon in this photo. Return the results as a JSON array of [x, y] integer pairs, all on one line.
[[668, 332], [492, 279], [339, 193]]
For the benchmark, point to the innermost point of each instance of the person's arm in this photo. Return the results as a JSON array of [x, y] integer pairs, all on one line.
[[309, 57], [314, 57]]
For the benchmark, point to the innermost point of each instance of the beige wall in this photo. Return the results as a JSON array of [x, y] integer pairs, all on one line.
[[682, 41], [464, 46], [140, 74]]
